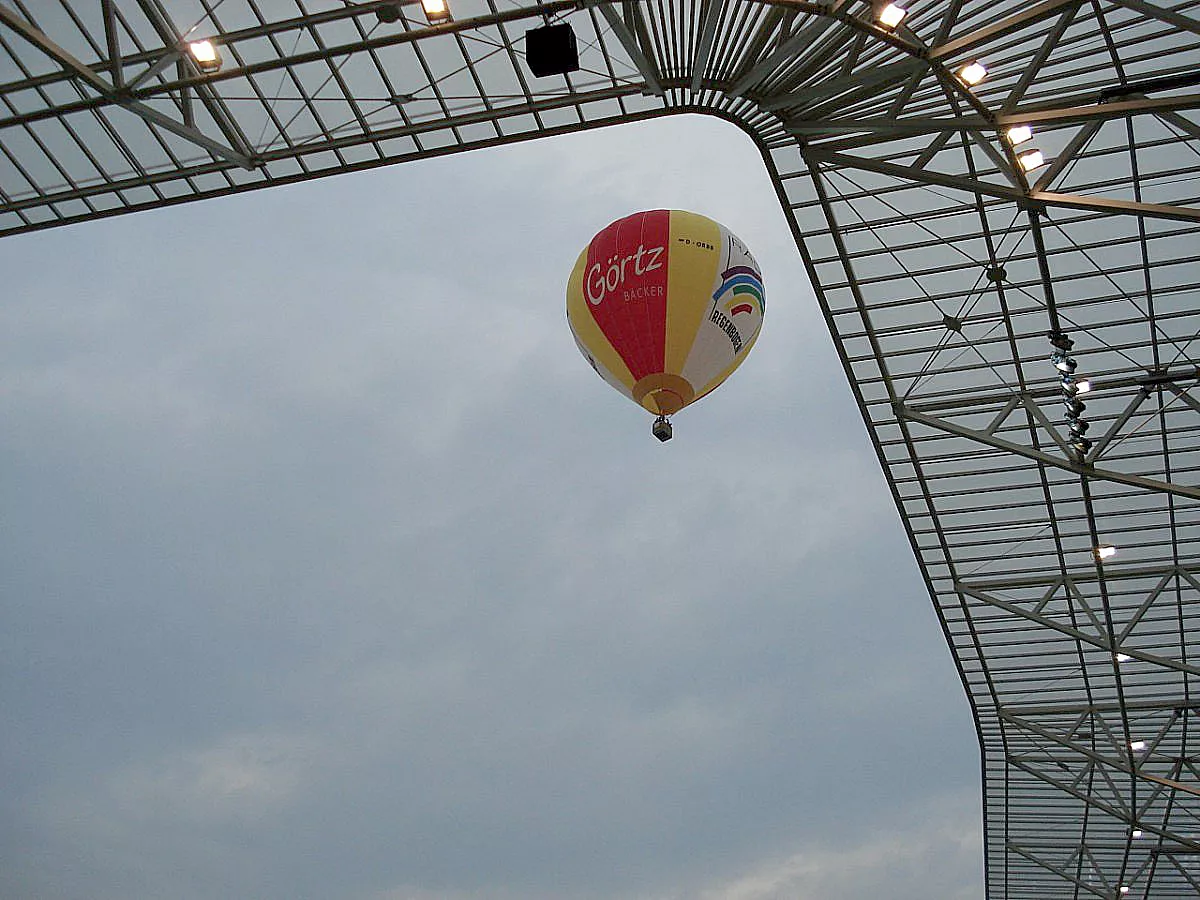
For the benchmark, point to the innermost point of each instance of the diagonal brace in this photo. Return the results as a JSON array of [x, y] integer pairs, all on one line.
[[631, 45], [1072, 632], [1119, 765], [101, 86], [1150, 484]]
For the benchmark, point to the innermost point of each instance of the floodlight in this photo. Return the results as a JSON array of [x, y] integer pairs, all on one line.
[[436, 11], [891, 15], [1124, 889], [1123, 657], [1018, 134], [1137, 833], [205, 56], [1060, 339], [1137, 745], [1031, 159], [972, 73], [1063, 363], [1106, 551], [1083, 387]]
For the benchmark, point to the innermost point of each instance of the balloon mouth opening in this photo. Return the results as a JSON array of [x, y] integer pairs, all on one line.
[[663, 393]]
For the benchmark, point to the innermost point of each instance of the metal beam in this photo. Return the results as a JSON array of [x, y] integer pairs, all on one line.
[[872, 78], [1161, 704], [1061, 873], [789, 49], [1117, 109], [1184, 124], [630, 43], [162, 120], [1095, 113], [1082, 576], [1141, 611], [1070, 631], [914, 175], [70, 64], [1087, 470], [228, 73], [1002, 163], [963, 43], [1112, 762], [1153, 11], [500, 113], [112, 96], [112, 41], [173, 39], [1112, 205], [1081, 139], [1140, 397], [1091, 800], [169, 56], [886, 126], [708, 32], [1034, 66]]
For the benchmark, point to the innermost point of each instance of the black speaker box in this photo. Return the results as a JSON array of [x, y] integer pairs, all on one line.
[[551, 50]]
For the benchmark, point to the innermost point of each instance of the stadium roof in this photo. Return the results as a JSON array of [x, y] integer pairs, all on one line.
[[1019, 330]]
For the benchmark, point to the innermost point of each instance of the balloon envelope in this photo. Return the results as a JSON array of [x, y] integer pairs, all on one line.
[[665, 304]]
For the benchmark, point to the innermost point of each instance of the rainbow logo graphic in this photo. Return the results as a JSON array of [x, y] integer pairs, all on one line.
[[747, 288]]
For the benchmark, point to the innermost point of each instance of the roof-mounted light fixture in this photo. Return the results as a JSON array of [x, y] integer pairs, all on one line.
[[1106, 551], [1060, 357], [436, 11], [1064, 363], [1071, 387], [891, 15], [205, 55], [1018, 134], [1137, 746], [1031, 159], [972, 73]]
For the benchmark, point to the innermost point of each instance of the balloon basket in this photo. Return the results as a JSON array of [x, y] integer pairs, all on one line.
[[661, 429]]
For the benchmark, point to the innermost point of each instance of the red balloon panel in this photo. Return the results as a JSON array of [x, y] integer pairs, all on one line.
[[625, 284]]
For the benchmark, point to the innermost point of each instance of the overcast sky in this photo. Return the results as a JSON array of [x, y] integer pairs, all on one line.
[[330, 569]]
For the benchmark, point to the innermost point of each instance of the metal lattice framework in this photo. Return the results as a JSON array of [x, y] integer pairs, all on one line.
[[947, 272]]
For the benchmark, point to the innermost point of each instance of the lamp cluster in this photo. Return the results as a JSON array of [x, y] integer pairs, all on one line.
[[970, 75], [1073, 388], [1029, 159]]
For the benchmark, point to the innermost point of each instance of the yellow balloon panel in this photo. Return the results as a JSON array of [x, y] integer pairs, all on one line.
[[665, 304]]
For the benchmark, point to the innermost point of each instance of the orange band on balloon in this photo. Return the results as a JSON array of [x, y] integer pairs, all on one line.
[[663, 393]]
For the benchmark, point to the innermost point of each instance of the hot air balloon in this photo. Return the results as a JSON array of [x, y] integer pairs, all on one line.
[[665, 304]]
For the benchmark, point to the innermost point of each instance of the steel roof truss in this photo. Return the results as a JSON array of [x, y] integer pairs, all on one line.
[[939, 271]]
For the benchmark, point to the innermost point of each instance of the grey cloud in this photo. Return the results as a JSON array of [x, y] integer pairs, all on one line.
[[329, 568]]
